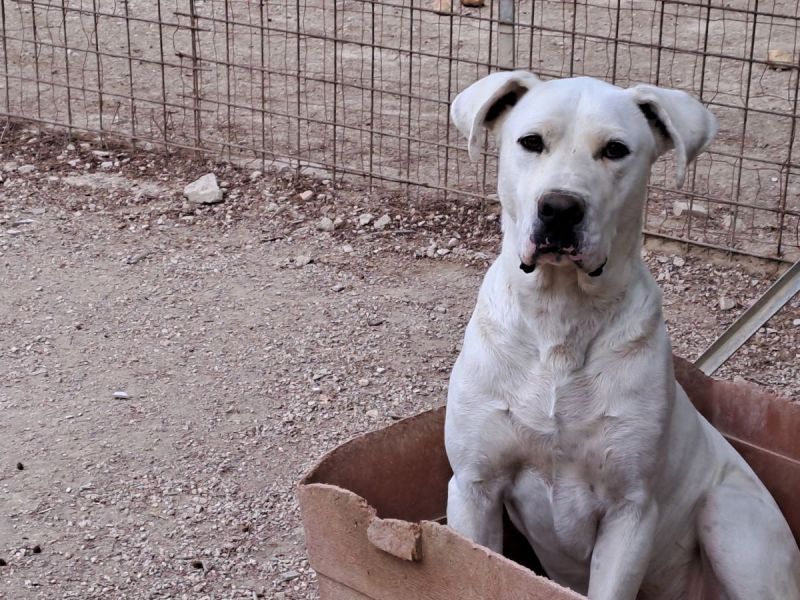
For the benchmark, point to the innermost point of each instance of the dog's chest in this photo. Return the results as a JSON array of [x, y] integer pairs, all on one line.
[[564, 473]]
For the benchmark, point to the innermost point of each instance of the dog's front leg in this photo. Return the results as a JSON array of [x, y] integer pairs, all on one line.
[[476, 513], [622, 551]]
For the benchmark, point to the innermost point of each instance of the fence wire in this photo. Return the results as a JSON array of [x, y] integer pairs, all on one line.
[[360, 88]]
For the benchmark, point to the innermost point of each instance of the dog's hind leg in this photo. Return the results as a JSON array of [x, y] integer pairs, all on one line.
[[747, 543], [476, 513]]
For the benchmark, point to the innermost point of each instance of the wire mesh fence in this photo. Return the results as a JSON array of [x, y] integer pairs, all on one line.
[[361, 88]]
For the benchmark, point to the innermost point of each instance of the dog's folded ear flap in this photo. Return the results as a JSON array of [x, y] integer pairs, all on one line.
[[484, 103], [679, 121]]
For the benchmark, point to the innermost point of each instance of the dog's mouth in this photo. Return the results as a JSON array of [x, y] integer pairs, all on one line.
[[556, 254]]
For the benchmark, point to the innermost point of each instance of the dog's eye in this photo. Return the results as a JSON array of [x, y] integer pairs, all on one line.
[[615, 150], [532, 143]]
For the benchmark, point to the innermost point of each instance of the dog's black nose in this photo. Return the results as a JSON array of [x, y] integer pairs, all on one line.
[[561, 210]]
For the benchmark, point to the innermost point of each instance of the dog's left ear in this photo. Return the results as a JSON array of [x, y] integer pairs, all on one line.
[[485, 102], [679, 121]]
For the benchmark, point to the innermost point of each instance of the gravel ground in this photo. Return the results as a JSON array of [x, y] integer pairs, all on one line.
[[169, 371]]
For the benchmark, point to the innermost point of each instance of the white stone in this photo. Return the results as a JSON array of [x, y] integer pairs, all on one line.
[[325, 224], [204, 190], [382, 222], [678, 261], [726, 303], [306, 196], [680, 209], [25, 169], [365, 219]]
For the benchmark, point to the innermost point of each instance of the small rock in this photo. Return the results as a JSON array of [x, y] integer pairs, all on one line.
[[301, 260], [347, 248], [338, 287], [373, 413], [374, 322], [25, 169], [365, 219], [442, 251], [780, 59], [13, 231], [75, 162], [452, 242], [255, 175], [289, 575], [106, 164], [796, 322], [71, 147], [19, 222], [442, 7], [440, 309], [726, 303], [680, 209], [306, 196], [121, 395], [20, 466], [100, 153], [325, 224], [382, 222], [363, 382], [204, 190], [678, 261]]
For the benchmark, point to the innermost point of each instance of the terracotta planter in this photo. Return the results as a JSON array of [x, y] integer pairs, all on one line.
[[372, 508]]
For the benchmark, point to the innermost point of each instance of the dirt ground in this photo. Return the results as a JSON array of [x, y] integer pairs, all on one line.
[[235, 361]]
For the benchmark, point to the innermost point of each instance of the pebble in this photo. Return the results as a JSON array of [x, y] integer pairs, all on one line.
[[375, 322], [25, 169], [443, 251], [13, 232], [338, 287], [796, 322], [106, 164], [365, 219], [204, 190], [301, 260], [373, 413], [101, 153], [363, 382], [289, 575], [306, 196], [452, 242], [121, 395], [347, 248], [678, 261], [255, 175], [679, 209], [382, 222], [726, 303], [325, 224]]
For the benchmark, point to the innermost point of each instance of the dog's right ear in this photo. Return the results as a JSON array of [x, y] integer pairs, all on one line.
[[484, 103]]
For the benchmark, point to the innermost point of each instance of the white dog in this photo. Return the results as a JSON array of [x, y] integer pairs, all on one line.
[[563, 406]]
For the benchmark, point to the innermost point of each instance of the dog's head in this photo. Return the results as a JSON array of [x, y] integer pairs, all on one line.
[[575, 156]]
